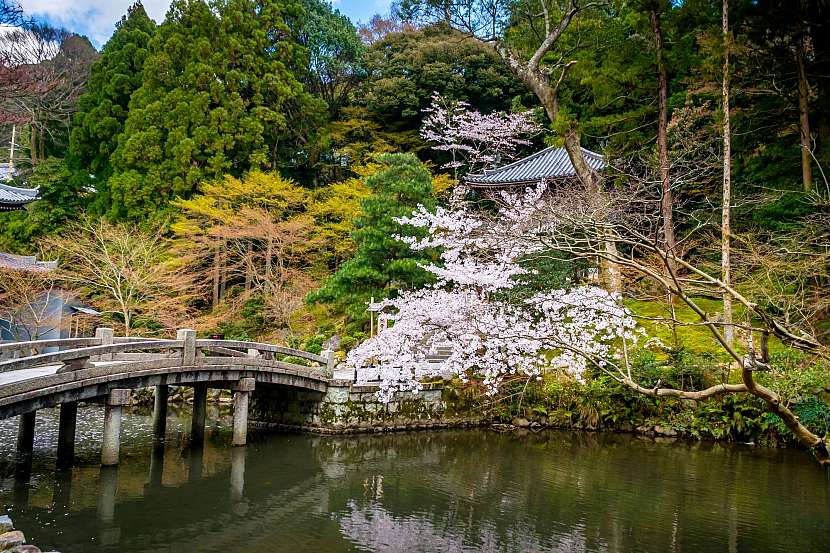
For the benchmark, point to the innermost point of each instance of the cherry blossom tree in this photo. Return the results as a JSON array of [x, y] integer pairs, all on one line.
[[476, 141], [489, 335]]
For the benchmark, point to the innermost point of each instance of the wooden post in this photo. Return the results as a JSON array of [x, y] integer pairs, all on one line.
[[106, 335], [329, 355], [107, 490], [238, 473], [25, 446], [26, 435], [156, 465], [188, 338]]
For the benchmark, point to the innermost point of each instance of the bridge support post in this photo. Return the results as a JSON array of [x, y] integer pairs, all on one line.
[[197, 424], [160, 413], [66, 435], [329, 355], [25, 445], [106, 335], [26, 436], [241, 399], [188, 339], [238, 473], [112, 426]]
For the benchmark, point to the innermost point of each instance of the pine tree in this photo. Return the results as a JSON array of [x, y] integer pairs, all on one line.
[[382, 264]]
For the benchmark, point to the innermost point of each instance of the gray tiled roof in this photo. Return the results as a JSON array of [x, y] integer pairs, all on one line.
[[12, 197], [550, 163], [25, 262]]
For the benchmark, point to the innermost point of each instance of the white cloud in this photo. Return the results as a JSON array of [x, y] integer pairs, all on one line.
[[93, 18]]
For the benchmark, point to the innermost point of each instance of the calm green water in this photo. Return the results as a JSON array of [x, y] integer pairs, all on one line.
[[449, 491]]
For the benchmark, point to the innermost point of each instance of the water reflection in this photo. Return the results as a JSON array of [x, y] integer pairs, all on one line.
[[451, 491]]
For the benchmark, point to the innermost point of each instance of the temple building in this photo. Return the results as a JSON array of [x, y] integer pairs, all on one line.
[[13, 198], [549, 164]]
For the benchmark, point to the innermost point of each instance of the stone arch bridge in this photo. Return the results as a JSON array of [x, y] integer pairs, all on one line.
[[106, 368]]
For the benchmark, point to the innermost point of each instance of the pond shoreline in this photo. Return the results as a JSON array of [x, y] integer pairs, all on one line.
[[657, 434]]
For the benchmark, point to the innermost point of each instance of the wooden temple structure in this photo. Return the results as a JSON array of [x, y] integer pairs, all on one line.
[[13, 198]]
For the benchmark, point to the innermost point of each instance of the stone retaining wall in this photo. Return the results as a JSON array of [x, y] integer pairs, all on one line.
[[348, 408]]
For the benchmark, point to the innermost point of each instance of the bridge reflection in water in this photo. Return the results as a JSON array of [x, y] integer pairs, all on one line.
[[417, 492]]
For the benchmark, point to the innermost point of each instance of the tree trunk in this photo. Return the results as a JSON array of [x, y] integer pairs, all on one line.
[[539, 83], [269, 252], [33, 145], [790, 419], [217, 273], [804, 115], [666, 202], [610, 271], [249, 260], [728, 331]]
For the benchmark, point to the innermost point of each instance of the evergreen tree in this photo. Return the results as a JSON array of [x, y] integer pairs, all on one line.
[[334, 51], [103, 108], [219, 89], [382, 264]]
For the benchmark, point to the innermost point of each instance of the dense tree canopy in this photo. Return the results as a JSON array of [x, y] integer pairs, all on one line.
[[103, 109], [406, 68], [218, 93]]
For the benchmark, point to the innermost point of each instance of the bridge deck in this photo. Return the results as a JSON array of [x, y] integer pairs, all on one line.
[[81, 369]]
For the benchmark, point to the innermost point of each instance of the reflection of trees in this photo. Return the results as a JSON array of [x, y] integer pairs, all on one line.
[[624, 494], [451, 491]]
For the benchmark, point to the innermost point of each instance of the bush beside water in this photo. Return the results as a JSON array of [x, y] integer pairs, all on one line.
[[602, 403]]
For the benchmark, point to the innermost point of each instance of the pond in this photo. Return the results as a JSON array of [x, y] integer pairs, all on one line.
[[451, 491]]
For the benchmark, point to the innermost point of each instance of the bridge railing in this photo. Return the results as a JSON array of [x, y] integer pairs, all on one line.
[[76, 353]]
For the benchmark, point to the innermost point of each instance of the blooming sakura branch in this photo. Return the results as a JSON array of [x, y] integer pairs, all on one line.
[[475, 140], [467, 312]]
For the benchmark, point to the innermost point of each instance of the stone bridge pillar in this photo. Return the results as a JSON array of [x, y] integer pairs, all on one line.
[[241, 399], [112, 426], [160, 413], [26, 436], [197, 423], [25, 445], [66, 434]]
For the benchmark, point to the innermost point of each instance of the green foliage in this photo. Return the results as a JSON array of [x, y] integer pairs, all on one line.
[[103, 108], [335, 53], [61, 201], [382, 264], [406, 68], [218, 92], [603, 403]]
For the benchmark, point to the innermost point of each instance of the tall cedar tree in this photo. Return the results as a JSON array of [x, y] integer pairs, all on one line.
[[219, 93], [103, 108], [382, 264]]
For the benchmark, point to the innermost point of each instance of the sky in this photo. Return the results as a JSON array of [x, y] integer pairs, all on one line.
[[96, 18]]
